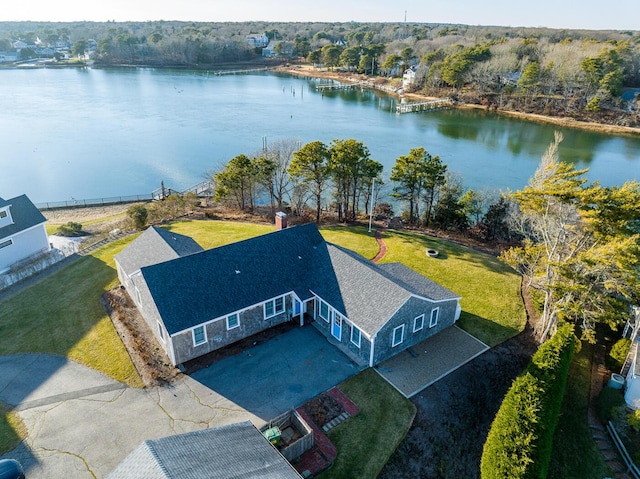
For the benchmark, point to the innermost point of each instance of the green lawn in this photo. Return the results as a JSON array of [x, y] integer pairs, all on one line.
[[366, 441], [575, 454], [355, 238], [210, 234], [62, 314]]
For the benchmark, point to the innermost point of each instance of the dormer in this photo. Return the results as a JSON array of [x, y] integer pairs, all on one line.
[[5, 214]]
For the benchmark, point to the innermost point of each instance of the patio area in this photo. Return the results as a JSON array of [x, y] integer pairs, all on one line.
[[418, 367]]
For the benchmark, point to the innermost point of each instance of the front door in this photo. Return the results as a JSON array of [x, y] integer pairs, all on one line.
[[336, 327]]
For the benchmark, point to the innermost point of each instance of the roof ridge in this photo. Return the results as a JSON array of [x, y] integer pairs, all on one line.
[[156, 456]]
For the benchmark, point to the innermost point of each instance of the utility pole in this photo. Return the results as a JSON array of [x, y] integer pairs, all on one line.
[[373, 199]]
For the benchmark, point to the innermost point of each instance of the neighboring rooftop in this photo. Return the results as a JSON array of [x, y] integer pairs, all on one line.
[[156, 245], [24, 213], [232, 451]]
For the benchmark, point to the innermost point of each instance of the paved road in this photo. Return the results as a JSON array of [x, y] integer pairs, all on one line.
[[82, 424]]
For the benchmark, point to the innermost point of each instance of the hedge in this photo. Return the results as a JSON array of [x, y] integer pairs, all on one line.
[[520, 440]]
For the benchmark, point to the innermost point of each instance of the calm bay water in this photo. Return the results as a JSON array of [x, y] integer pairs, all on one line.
[[95, 133]]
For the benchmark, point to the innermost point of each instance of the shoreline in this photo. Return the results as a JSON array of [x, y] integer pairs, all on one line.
[[313, 72]]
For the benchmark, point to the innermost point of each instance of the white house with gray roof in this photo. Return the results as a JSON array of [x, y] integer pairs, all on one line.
[[197, 301], [22, 231]]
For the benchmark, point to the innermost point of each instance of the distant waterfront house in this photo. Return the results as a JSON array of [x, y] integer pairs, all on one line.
[[198, 301], [6, 57], [257, 41], [22, 231], [232, 451], [408, 77]]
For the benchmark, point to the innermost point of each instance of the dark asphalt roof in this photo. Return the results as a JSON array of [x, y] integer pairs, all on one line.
[[232, 451], [155, 245], [198, 288], [24, 214], [211, 284]]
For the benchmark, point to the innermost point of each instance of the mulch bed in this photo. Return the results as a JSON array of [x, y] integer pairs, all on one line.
[[317, 412], [147, 356]]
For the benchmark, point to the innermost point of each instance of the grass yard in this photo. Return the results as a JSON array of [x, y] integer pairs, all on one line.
[[575, 454], [366, 441], [492, 308], [355, 238], [62, 314], [210, 234], [12, 429]]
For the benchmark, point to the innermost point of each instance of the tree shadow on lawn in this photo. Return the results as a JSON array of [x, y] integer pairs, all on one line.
[[487, 331]]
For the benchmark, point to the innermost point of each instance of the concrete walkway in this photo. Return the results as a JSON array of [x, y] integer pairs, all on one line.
[[81, 424]]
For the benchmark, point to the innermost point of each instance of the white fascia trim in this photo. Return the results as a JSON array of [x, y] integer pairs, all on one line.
[[455, 298], [238, 312]]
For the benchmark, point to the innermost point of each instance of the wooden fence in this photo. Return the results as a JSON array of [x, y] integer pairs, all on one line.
[[299, 447]]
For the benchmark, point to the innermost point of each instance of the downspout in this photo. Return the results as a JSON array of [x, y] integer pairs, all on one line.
[[373, 343], [172, 355]]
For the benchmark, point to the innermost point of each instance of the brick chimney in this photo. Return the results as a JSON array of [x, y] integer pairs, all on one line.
[[281, 220]]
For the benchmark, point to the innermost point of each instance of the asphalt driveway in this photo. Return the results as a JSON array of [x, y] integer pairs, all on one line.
[[81, 424], [279, 374]]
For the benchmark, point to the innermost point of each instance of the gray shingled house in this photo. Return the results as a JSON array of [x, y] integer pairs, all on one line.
[[232, 451], [197, 301]]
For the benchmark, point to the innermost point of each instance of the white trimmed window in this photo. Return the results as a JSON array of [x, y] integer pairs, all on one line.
[[398, 335], [418, 323], [323, 311], [434, 318], [161, 331], [4, 244], [199, 335], [3, 214], [355, 336], [273, 307], [233, 321]]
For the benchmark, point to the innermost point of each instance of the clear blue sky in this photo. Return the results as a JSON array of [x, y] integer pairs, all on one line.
[[574, 14]]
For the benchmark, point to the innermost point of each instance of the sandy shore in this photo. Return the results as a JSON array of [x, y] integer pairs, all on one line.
[[312, 72], [81, 215]]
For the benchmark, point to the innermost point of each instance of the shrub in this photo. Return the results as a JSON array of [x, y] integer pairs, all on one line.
[[138, 214], [608, 402], [617, 355], [520, 439], [70, 229]]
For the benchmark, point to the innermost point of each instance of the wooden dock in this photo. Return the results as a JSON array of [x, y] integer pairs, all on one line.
[[340, 86], [430, 105], [237, 72]]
